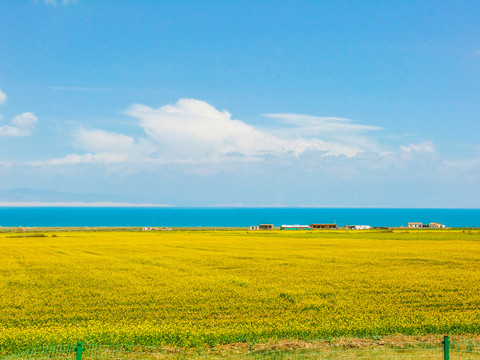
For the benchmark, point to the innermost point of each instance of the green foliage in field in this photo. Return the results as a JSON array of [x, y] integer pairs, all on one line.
[[196, 288]]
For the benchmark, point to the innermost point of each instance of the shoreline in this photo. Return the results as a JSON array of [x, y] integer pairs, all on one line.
[[154, 229]]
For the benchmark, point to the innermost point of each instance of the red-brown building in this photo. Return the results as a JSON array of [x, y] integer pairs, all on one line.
[[323, 226]]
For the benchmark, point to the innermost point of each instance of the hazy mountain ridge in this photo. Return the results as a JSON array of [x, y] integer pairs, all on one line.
[[26, 195]]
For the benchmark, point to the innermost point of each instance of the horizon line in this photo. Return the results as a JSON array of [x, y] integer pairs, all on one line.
[[219, 206]]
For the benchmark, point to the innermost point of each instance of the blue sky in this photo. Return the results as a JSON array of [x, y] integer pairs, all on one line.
[[247, 103]]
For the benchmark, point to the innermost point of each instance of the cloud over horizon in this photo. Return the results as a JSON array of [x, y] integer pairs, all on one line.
[[194, 131], [191, 138]]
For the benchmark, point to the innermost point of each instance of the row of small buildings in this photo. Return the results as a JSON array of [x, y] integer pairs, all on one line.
[[416, 225], [294, 227], [307, 227], [419, 225]]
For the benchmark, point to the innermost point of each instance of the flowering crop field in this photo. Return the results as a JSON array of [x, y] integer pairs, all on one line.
[[195, 288]]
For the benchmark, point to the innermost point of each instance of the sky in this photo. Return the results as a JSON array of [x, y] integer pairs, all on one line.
[[240, 103]]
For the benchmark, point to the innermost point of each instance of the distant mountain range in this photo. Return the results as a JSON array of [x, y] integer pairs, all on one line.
[[26, 195]]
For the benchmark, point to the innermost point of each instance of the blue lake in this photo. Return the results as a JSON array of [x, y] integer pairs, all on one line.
[[230, 217]]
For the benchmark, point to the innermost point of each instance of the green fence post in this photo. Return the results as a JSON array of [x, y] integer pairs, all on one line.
[[79, 350], [446, 347]]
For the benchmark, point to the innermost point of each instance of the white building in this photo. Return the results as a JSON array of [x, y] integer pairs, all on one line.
[[415, 224], [360, 227]]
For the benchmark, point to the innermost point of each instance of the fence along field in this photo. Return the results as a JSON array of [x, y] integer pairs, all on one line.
[[426, 347], [190, 289]]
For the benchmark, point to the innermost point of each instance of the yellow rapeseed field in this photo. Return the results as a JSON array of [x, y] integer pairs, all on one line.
[[194, 288]]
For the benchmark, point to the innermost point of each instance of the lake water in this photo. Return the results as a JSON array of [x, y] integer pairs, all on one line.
[[230, 217]]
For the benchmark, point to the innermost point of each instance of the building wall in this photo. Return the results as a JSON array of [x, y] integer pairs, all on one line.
[[323, 226], [415, 225]]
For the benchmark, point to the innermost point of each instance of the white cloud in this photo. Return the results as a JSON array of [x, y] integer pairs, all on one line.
[[103, 141], [340, 136], [423, 147], [73, 159], [55, 2], [77, 88], [192, 132], [103, 147], [3, 97], [22, 125], [314, 125], [193, 129], [25, 121], [111, 147]]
